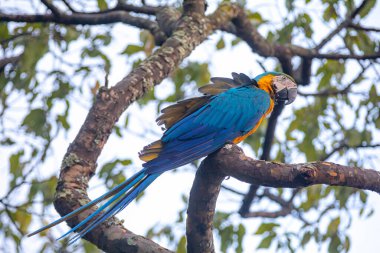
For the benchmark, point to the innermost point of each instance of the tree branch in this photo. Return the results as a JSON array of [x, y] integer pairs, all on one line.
[[335, 92], [363, 28], [89, 19], [79, 163], [248, 199], [146, 9], [328, 56], [286, 206], [231, 161], [265, 214], [51, 7], [69, 6], [167, 20], [303, 73], [344, 145], [244, 29], [200, 212], [9, 60]]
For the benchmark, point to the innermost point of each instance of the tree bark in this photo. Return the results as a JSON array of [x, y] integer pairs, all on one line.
[[231, 161]]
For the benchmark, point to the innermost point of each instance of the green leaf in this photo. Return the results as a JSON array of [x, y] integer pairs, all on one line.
[[15, 165], [305, 238], [289, 4], [373, 95], [118, 131], [347, 243], [46, 187], [334, 245], [63, 121], [35, 122], [367, 8], [7, 142], [240, 236], [354, 137], [226, 235], [132, 49], [111, 172], [265, 227], [22, 218], [235, 41], [266, 241], [221, 44], [181, 248], [332, 228], [89, 247], [255, 17], [4, 32], [102, 4], [330, 13], [35, 49]]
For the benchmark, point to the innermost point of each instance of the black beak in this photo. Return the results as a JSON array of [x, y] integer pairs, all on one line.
[[287, 94]]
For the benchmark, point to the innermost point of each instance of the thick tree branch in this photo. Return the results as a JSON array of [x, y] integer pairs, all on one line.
[[90, 19], [202, 202], [231, 161], [79, 163], [244, 29]]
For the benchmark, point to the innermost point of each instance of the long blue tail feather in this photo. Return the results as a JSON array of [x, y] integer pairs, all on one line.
[[123, 202], [108, 194], [121, 196], [136, 179]]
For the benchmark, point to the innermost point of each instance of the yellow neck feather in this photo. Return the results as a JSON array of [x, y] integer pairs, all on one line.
[[265, 83]]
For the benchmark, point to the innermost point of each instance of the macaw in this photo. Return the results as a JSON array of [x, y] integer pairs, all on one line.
[[228, 112]]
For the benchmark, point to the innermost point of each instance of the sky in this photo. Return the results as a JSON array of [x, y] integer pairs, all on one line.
[[163, 198]]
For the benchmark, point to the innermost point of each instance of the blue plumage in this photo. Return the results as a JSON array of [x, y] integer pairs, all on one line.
[[197, 127], [225, 117]]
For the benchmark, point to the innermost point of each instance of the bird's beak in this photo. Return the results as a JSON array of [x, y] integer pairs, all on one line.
[[285, 89]]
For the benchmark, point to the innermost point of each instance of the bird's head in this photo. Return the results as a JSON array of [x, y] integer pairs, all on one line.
[[280, 86]]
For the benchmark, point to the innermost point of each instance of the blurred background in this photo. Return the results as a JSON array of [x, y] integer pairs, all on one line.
[[50, 74]]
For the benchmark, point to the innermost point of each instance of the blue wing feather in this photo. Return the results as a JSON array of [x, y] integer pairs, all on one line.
[[227, 116]]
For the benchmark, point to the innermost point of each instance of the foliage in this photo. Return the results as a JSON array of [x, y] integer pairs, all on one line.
[[59, 68]]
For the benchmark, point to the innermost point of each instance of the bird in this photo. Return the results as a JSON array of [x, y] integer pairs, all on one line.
[[228, 112]]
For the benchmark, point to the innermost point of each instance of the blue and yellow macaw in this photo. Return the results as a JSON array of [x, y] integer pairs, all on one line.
[[229, 111]]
